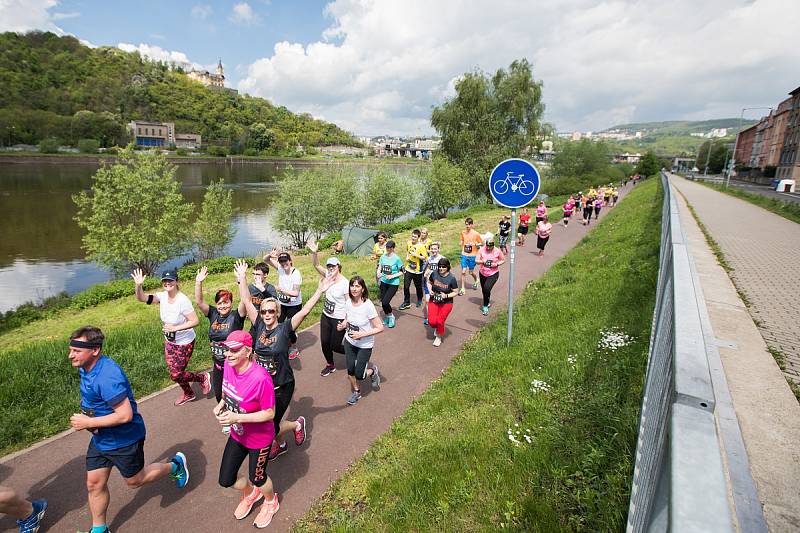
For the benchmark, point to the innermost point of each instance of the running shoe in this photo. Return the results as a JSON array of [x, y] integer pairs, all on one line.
[[474, 285], [386, 321], [425, 322], [419, 303], [32, 523], [376, 378], [247, 503], [300, 434], [294, 353], [181, 475], [268, 510], [106, 530], [327, 370], [461, 291], [353, 399], [437, 341], [205, 385], [226, 430], [404, 305], [485, 310], [391, 322], [185, 398], [277, 449]]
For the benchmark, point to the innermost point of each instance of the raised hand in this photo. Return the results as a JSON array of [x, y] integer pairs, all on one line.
[[325, 283], [138, 276], [240, 269], [313, 246], [202, 274]]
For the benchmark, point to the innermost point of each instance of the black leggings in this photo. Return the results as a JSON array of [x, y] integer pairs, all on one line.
[[387, 292], [330, 338], [357, 360], [487, 284], [287, 312], [232, 459], [407, 279], [216, 378], [587, 213], [283, 397]]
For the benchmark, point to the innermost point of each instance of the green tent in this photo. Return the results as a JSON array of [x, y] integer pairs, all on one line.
[[359, 241]]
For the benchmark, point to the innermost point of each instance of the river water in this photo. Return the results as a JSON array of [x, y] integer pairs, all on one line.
[[41, 254]]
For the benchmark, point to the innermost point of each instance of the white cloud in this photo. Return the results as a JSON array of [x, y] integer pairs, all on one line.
[[244, 15], [378, 68], [201, 11], [156, 53], [26, 15]]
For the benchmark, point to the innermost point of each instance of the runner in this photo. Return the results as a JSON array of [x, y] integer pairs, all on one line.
[[260, 289], [416, 254], [443, 287], [505, 231], [606, 195], [489, 259], [27, 514], [470, 242], [248, 406], [586, 202], [543, 230], [390, 268], [110, 414], [522, 230], [568, 208], [179, 320], [271, 347], [614, 196], [598, 204], [425, 240], [361, 324], [333, 312], [430, 267], [379, 248], [289, 295], [541, 211], [222, 320]]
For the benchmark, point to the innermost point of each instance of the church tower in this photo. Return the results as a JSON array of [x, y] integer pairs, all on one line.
[[220, 72]]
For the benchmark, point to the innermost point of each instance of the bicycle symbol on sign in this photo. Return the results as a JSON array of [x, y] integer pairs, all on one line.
[[515, 183]]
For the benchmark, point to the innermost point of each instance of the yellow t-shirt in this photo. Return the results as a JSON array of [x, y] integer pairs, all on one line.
[[378, 250], [416, 254]]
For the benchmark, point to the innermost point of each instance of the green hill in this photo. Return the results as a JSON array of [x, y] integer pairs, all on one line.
[[683, 127], [56, 87]]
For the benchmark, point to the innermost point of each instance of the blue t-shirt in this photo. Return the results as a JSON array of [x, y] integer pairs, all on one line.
[[102, 388], [388, 266]]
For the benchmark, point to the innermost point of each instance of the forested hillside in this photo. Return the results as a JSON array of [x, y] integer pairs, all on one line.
[[55, 87]]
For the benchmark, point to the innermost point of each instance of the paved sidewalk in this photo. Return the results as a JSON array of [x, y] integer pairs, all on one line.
[[337, 433], [764, 251]]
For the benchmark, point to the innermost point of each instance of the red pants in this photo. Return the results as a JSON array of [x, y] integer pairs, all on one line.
[[437, 315], [177, 357]]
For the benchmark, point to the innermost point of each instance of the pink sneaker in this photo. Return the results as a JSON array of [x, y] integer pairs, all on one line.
[[268, 510], [294, 353], [246, 504], [205, 385], [185, 398], [300, 434]]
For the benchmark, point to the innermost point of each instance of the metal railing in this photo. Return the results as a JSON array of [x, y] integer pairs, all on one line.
[[678, 482]]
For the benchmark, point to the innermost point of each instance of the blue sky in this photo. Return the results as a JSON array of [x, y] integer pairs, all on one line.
[[378, 67]]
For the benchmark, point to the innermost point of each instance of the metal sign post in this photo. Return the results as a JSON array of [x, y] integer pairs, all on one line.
[[513, 183]]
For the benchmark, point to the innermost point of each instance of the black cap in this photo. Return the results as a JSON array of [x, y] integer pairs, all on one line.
[[170, 274], [283, 256]]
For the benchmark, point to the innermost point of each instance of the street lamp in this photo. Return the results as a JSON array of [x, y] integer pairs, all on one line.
[[736, 143]]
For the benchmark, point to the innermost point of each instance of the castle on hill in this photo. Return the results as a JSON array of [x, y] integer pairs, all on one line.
[[210, 80]]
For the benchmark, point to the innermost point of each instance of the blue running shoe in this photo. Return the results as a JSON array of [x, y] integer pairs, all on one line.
[[391, 322], [31, 524], [181, 475]]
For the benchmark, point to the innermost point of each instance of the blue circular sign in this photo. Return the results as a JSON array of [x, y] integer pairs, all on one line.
[[514, 183]]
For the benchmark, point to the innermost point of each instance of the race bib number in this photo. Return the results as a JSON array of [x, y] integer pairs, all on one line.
[[269, 363], [488, 263], [467, 248], [217, 350], [351, 328], [386, 270], [328, 306], [284, 298], [437, 297], [170, 336]]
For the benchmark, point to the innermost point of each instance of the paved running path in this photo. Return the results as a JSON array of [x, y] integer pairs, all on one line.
[[764, 251], [338, 434]]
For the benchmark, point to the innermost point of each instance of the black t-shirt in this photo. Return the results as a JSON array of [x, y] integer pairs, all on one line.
[[505, 228], [443, 284], [272, 350], [257, 295], [219, 327]]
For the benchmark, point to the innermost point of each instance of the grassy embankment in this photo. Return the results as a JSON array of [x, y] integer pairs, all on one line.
[[40, 389], [451, 461], [788, 210]]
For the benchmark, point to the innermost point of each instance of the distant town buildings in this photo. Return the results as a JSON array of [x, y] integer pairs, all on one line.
[[714, 133], [789, 162], [161, 135], [393, 147]]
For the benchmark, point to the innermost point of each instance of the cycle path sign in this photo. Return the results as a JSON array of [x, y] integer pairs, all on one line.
[[514, 183]]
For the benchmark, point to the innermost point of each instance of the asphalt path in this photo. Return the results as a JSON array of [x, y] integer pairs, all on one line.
[[337, 434]]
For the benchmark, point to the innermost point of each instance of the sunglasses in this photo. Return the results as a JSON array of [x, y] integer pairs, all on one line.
[[268, 311]]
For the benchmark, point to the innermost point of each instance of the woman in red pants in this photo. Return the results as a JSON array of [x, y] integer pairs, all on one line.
[[442, 288]]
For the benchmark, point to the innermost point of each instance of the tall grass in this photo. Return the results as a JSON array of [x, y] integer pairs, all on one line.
[[451, 461]]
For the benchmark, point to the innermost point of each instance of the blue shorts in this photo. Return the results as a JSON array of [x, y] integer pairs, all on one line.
[[129, 460], [468, 262]]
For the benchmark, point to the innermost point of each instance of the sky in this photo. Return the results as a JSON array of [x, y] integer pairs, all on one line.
[[378, 67]]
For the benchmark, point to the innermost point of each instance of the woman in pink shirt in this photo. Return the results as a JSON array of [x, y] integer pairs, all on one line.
[[568, 208], [543, 230], [489, 258], [541, 211]]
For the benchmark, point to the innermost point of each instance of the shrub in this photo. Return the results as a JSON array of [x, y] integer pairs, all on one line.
[[88, 146], [213, 229], [218, 151], [251, 152], [49, 146], [181, 152]]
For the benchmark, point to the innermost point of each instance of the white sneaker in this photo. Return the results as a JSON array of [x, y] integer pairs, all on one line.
[[437, 341]]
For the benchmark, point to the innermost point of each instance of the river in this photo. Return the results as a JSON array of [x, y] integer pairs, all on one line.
[[41, 254]]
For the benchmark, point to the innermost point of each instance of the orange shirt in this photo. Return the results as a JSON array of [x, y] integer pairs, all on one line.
[[470, 240]]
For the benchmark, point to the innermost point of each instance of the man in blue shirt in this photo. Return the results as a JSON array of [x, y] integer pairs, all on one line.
[[109, 412]]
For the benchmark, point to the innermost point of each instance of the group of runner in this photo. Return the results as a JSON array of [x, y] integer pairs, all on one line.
[[251, 377]]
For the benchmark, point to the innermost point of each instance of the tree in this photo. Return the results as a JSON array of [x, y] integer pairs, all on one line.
[[489, 120], [386, 196], [291, 217], [335, 202], [213, 229], [577, 159], [649, 164], [134, 216], [261, 138], [442, 187], [717, 160]]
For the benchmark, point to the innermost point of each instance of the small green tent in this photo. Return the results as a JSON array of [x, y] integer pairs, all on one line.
[[359, 241]]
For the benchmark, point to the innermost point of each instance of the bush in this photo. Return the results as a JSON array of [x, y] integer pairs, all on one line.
[[112, 151], [218, 151], [181, 152], [386, 196], [213, 229], [251, 152], [49, 146], [88, 146]]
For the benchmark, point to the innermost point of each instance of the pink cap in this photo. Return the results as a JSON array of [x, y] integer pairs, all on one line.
[[237, 339]]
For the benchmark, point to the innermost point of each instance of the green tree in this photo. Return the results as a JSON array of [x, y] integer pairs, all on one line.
[[291, 218], [213, 229], [489, 120], [134, 216], [336, 200], [716, 162], [442, 187], [386, 196], [88, 146], [575, 159], [649, 164], [261, 137]]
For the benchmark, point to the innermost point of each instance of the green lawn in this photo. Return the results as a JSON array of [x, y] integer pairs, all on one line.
[[538, 436]]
